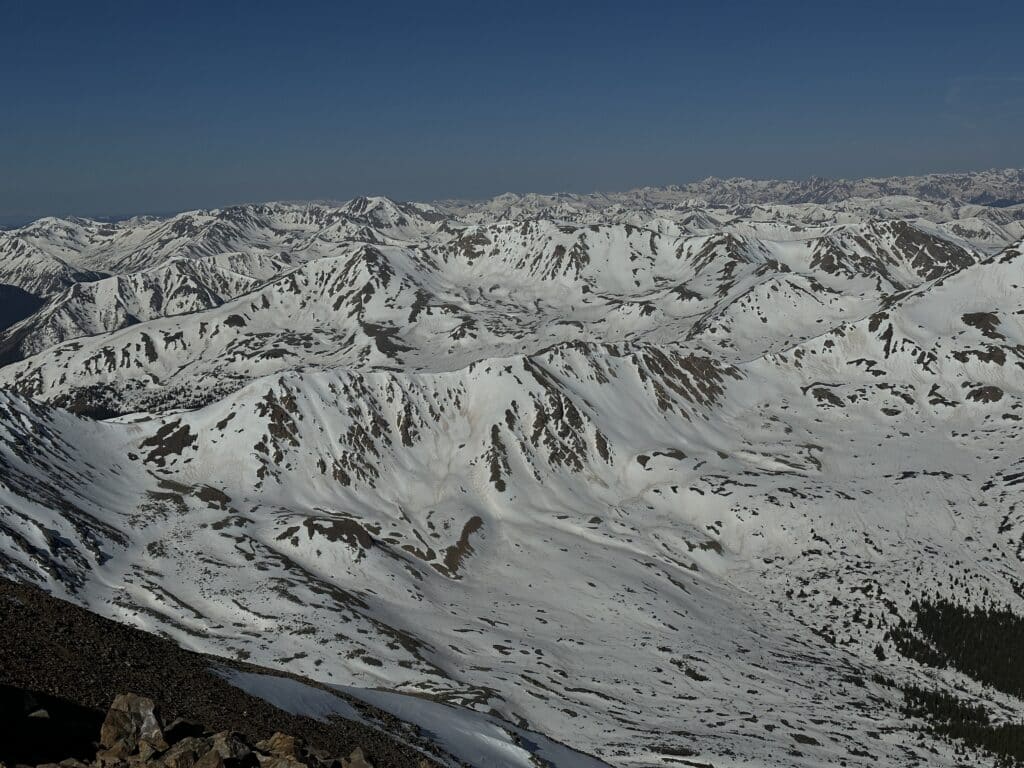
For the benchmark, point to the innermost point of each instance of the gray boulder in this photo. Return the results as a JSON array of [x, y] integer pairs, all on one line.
[[131, 727]]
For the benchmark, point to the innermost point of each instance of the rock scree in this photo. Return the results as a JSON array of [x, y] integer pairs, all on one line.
[[133, 735], [62, 669]]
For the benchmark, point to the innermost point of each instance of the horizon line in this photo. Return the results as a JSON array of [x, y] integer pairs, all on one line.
[[9, 222]]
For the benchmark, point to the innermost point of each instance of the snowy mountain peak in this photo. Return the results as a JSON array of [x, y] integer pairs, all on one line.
[[665, 475]]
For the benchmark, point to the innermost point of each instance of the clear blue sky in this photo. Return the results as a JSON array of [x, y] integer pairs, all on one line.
[[122, 107]]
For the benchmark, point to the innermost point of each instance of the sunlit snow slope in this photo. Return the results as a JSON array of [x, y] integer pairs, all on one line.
[[648, 473]]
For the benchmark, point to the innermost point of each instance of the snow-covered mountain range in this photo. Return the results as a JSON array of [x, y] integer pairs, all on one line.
[[653, 474]]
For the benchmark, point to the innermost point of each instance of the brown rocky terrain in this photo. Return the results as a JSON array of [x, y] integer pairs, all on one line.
[[132, 734], [62, 668]]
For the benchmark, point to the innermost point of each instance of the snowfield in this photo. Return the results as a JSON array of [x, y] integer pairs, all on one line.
[[476, 739], [647, 475]]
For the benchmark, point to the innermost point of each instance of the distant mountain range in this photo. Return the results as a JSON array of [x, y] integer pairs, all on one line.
[[666, 475], [994, 188]]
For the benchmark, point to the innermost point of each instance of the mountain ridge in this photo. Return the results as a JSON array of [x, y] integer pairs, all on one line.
[[661, 480], [930, 187]]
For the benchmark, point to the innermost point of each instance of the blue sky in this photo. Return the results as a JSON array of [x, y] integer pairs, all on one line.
[[123, 107]]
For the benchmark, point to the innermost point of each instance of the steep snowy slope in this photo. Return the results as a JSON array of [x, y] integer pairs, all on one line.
[[47, 253], [32, 269], [179, 286], [483, 292], [660, 486]]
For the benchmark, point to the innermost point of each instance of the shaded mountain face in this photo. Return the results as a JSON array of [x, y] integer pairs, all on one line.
[[657, 474], [16, 304]]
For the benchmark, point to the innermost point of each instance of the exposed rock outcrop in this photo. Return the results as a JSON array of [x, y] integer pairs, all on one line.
[[133, 736]]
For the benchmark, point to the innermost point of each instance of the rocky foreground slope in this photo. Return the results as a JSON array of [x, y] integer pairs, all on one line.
[[61, 669], [670, 476], [132, 734]]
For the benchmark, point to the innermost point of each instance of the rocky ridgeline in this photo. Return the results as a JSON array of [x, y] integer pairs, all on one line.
[[132, 735]]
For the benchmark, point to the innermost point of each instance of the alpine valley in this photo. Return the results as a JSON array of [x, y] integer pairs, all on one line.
[[669, 477]]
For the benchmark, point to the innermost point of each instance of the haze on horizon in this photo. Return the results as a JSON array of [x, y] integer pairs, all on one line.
[[117, 108]]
